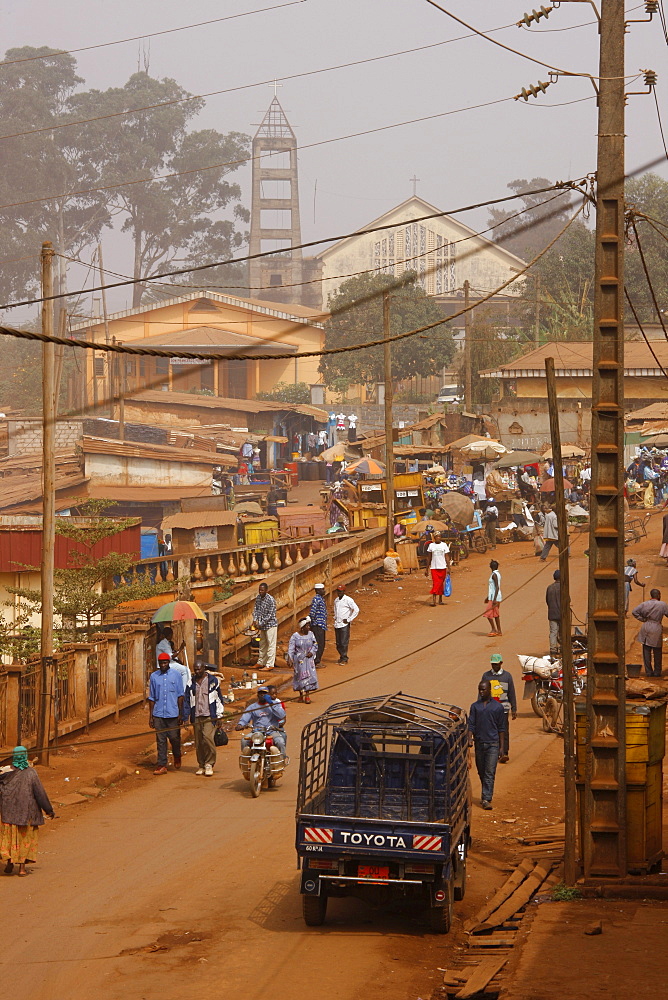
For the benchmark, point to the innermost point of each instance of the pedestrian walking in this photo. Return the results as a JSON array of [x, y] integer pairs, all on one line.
[[165, 711], [650, 636], [266, 622], [491, 518], [630, 577], [302, 650], [487, 736], [553, 601], [203, 708], [550, 532], [439, 566], [23, 803], [318, 615], [503, 690], [493, 600], [345, 611], [663, 551]]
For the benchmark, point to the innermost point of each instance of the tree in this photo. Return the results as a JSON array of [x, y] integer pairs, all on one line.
[[528, 233], [283, 392], [490, 348], [79, 598], [565, 289], [357, 316], [648, 194], [173, 219], [35, 94]]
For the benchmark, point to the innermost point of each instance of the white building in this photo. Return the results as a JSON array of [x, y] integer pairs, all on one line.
[[442, 250]]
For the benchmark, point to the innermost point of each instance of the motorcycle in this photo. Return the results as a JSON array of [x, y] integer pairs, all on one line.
[[261, 761], [544, 684]]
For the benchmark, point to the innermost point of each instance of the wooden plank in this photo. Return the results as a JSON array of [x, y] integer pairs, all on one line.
[[519, 898], [481, 976], [506, 940], [501, 894]]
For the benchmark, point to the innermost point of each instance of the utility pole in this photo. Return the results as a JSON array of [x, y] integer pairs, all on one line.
[[49, 505], [570, 799], [107, 339], [536, 311], [468, 389], [604, 813], [389, 443]]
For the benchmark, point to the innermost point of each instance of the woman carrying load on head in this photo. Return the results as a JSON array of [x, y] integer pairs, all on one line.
[[302, 651], [23, 801]]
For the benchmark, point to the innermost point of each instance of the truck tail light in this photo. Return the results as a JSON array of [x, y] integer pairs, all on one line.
[[420, 869], [323, 865]]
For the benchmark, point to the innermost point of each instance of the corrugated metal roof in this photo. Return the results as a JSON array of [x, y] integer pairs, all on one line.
[[576, 358], [169, 399], [200, 519], [204, 339], [136, 449]]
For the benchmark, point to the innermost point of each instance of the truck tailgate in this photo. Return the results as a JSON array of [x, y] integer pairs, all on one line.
[[322, 835]]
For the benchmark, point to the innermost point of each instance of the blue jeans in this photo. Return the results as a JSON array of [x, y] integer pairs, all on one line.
[[486, 759]]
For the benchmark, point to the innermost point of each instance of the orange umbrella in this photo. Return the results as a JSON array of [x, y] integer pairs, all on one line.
[[368, 466], [548, 486]]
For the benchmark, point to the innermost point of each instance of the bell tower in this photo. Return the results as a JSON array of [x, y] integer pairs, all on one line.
[[275, 221]]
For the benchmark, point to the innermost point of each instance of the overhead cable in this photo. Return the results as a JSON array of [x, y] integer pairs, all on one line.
[[199, 356]]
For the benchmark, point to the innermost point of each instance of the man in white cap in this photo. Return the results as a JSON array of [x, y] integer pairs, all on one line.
[[318, 616], [345, 611]]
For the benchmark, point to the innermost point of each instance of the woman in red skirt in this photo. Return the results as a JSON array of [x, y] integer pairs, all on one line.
[[439, 566]]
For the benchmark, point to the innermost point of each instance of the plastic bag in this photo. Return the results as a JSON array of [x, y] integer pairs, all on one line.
[[447, 586]]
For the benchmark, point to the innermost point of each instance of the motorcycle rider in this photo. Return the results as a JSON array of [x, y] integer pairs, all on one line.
[[264, 714]]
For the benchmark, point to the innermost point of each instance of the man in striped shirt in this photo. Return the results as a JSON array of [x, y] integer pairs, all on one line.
[[318, 616], [265, 620]]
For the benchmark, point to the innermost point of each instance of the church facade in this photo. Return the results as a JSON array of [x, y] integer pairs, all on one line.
[[443, 251]]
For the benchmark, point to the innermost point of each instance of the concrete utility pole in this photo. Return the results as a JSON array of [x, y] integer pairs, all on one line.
[[389, 443], [570, 799], [49, 507], [536, 311], [107, 339], [604, 814], [468, 388]]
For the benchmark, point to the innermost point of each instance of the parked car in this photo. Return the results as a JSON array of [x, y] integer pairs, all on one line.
[[449, 394]]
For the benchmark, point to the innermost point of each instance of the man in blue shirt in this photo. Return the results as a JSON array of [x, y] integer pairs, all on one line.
[[264, 714], [487, 734], [165, 706], [318, 616]]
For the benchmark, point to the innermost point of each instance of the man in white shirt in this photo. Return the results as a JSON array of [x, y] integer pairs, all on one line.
[[345, 611], [550, 533], [438, 567]]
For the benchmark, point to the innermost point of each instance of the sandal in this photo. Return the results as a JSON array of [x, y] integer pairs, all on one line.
[[9, 868]]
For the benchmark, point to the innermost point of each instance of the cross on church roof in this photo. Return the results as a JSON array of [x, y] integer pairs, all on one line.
[[414, 181]]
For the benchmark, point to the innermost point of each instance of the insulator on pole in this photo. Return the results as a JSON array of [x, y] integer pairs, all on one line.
[[533, 90], [536, 15], [651, 7], [650, 78]]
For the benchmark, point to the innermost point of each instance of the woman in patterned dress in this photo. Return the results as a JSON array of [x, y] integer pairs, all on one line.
[[302, 651]]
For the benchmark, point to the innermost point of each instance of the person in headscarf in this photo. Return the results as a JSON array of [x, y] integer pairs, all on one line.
[[302, 650], [23, 801]]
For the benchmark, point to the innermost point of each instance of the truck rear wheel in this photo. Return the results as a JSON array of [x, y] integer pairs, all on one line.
[[440, 917], [314, 909]]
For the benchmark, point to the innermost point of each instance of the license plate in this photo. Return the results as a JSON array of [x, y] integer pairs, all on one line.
[[373, 871]]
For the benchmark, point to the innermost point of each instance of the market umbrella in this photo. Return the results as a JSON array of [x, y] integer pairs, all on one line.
[[458, 507], [485, 450], [514, 458], [421, 526], [179, 611], [368, 466], [567, 451], [548, 486]]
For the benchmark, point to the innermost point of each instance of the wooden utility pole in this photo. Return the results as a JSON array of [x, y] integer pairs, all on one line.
[[468, 389], [570, 799], [389, 443], [49, 506], [107, 338], [604, 814]]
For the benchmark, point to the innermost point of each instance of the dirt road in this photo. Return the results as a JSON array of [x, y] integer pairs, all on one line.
[[186, 884]]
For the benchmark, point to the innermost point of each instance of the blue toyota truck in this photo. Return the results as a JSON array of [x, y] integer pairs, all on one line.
[[384, 806]]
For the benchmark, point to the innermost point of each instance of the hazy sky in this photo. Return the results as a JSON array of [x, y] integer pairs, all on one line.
[[459, 159]]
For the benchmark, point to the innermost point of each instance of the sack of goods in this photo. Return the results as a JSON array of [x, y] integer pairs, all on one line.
[[538, 665], [276, 763], [244, 762]]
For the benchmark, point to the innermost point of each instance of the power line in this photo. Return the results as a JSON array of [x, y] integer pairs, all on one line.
[[658, 115], [245, 159], [640, 327], [149, 34], [245, 86], [153, 352], [648, 277], [300, 246], [337, 277]]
